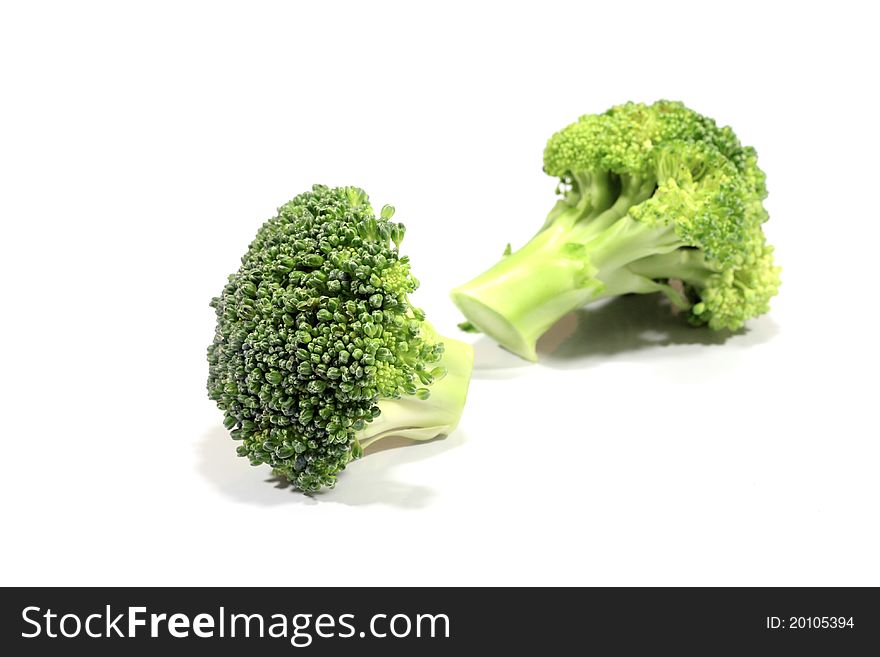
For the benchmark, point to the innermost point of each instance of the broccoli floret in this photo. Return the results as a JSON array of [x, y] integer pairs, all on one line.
[[317, 351], [652, 199]]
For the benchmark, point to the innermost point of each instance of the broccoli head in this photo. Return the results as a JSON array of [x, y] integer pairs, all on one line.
[[317, 351], [652, 198]]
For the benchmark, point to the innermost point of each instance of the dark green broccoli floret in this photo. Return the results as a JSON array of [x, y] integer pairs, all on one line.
[[653, 199], [317, 350]]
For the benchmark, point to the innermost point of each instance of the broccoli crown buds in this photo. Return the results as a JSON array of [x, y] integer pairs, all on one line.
[[313, 331]]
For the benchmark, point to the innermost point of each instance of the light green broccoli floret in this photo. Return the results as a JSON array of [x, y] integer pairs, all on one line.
[[653, 198]]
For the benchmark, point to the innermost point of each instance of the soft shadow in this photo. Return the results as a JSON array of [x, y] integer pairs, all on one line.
[[634, 323], [492, 361], [368, 480]]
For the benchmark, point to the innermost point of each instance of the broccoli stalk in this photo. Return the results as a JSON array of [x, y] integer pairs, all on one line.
[[561, 269], [424, 417], [649, 195]]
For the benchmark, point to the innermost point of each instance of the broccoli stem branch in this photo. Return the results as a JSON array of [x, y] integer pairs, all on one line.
[[633, 190], [591, 194], [687, 265]]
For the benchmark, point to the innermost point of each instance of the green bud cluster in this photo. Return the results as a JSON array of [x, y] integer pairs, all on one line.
[[708, 189], [313, 330]]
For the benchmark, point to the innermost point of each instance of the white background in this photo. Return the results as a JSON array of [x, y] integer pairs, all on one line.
[[143, 144]]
